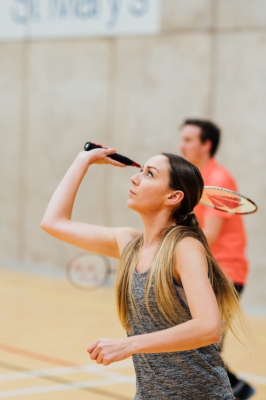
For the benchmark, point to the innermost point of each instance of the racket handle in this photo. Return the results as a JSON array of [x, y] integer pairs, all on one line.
[[118, 157]]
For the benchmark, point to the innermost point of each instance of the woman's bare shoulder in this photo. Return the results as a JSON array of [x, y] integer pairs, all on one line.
[[190, 255], [189, 243]]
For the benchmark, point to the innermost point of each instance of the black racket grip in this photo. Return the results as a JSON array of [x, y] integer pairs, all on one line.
[[118, 157]]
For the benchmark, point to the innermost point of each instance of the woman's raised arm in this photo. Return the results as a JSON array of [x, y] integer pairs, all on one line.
[[57, 218]]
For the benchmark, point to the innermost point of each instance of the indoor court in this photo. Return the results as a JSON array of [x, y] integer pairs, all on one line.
[[143, 79], [46, 325]]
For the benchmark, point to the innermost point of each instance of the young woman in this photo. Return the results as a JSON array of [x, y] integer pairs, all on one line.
[[172, 298]]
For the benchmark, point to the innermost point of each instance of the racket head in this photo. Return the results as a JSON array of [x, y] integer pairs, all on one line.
[[88, 271], [227, 200]]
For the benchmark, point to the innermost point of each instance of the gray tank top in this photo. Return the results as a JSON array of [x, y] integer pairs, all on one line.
[[186, 375]]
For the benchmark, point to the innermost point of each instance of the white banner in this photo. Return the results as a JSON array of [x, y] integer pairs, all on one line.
[[30, 19]]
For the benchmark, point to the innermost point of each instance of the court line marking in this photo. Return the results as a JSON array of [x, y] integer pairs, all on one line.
[[100, 371], [253, 378], [35, 355], [87, 384], [44, 358], [55, 388], [95, 370], [114, 378]]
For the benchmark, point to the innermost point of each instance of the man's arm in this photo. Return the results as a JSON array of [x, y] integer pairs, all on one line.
[[212, 228]]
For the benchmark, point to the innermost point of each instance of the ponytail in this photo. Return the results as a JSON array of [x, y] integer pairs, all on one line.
[[189, 220]]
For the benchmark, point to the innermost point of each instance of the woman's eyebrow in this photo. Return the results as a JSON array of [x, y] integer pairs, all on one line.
[[149, 166]]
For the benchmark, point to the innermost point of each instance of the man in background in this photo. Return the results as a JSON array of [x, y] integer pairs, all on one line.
[[225, 232]]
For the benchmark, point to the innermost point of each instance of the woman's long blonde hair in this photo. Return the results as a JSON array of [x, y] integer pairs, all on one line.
[[186, 177]]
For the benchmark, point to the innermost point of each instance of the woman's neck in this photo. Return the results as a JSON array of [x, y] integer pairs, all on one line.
[[154, 225]]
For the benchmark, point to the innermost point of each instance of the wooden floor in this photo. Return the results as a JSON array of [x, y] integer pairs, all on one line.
[[46, 325]]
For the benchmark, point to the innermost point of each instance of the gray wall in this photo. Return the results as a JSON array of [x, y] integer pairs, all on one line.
[[133, 93]]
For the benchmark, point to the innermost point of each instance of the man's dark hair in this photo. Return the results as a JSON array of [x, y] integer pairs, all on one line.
[[209, 131]]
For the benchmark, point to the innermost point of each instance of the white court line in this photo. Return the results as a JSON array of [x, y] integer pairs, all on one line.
[[54, 388], [93, 369], [111, 375], [253, 378], [104, 372], [38, 373], [112, 378]]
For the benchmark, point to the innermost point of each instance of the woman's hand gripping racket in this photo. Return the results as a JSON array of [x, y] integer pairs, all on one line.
[[118, 157], [88, 271], [227, 200]]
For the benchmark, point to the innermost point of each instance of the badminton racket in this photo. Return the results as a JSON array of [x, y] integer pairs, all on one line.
[[227, 200]]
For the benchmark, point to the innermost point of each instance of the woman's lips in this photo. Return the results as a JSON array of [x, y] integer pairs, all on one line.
[[131, 191]]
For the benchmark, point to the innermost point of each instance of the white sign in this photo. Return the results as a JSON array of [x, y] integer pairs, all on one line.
[[30, 19]]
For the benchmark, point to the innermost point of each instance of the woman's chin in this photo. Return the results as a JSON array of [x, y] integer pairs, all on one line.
[[131, 205]]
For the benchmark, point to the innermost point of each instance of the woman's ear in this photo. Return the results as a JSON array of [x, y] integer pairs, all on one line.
[[174, 198]]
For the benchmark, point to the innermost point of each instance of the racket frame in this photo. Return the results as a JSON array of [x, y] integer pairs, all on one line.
[[228, 210]]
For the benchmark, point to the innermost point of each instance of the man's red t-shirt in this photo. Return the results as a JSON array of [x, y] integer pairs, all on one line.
[[229, 248]]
